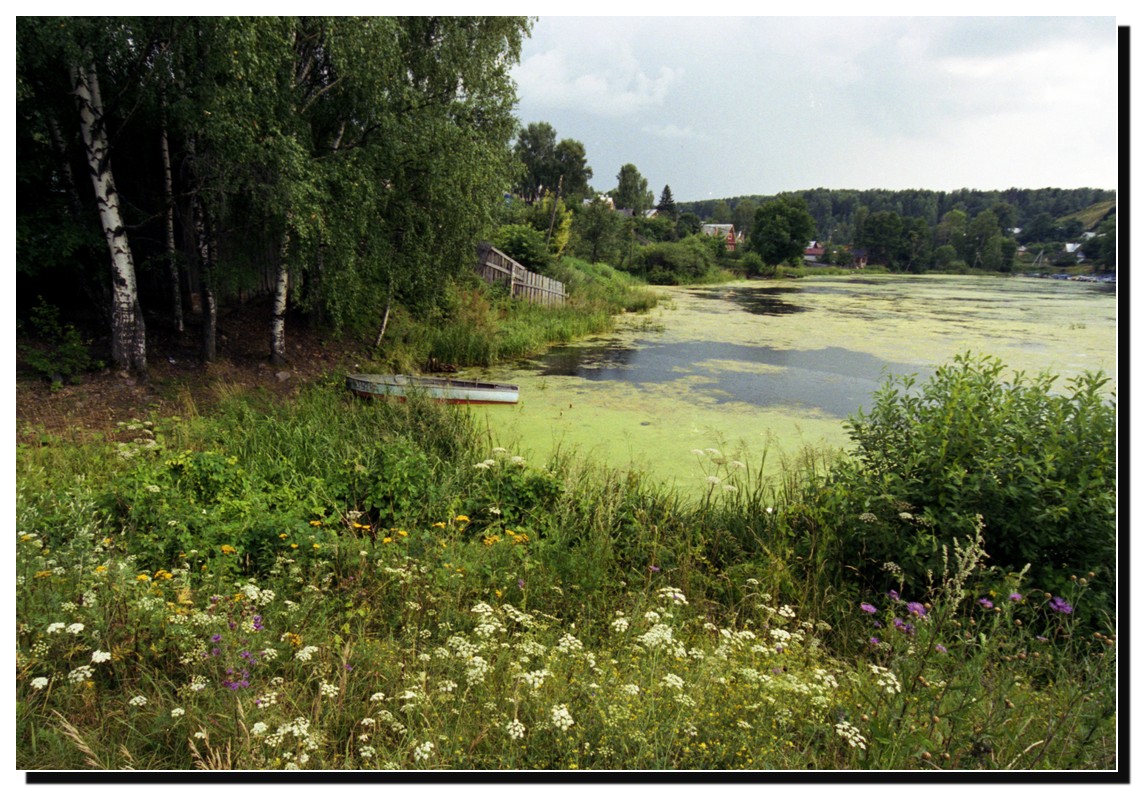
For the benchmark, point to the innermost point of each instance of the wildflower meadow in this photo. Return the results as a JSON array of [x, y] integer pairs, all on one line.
[[329, 584]]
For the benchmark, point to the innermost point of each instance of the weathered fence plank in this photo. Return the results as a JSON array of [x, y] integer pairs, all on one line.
[[496, 266]]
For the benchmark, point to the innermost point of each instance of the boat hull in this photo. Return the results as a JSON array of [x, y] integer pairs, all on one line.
[[443, 389]]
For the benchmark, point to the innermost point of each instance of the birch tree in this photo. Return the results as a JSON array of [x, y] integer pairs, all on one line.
[[128, 330]]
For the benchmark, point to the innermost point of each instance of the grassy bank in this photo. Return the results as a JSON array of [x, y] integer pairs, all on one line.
[[334, 584], [479, 325]]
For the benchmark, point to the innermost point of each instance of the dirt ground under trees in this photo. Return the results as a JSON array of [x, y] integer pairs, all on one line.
[[178, 382]]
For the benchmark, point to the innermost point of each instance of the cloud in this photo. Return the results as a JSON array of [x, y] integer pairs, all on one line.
[[611, 86], [670, 131]]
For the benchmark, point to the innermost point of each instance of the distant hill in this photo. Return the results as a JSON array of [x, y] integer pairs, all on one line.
[[1092, 215], [835, 211]]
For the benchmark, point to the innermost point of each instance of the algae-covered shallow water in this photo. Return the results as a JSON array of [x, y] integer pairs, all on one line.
[[750, 366]]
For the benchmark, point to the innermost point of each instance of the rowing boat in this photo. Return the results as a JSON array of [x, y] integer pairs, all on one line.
[[444, 389]]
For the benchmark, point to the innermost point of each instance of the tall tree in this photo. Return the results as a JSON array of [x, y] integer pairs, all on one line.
[[573, 171], [632, 191], [535, 149], [782, 228], [666, 204]]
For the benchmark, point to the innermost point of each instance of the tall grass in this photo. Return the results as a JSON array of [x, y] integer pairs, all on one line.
[[337, 584], [481, 325]]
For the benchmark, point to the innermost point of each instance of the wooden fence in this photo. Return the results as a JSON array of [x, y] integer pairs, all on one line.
[[496, 266]]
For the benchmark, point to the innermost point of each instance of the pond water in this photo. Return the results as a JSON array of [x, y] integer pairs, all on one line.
[[754, 366]]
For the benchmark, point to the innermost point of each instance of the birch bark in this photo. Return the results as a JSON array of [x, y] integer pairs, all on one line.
[[127, 326]]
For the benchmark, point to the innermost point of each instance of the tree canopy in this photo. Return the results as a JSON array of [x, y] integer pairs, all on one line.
[[362, 156], [781, 229]]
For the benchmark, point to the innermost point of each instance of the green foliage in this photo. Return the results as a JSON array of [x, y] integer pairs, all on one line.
[[1037, 467], [672, 263], [781, 229], [60, 354], [567, 617], [524, 244], [632, 192]]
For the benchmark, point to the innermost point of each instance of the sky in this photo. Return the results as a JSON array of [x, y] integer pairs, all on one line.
[[718, 107]]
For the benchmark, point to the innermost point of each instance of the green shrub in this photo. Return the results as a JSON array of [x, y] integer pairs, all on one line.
[[61, 354], [673, 263], [1039, 468], [524, 244]]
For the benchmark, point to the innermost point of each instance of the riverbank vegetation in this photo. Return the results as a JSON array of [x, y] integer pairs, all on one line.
[[331, 583]]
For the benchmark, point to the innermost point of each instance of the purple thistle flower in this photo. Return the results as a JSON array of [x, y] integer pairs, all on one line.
[[216, 638], [874, 641], [985, 603], [258, 622], [1060, 606], [521, 583], [916, 608], [654, 569], [893, 594], [940, 648], [1015, 597], [869, 609], [1042, 639]]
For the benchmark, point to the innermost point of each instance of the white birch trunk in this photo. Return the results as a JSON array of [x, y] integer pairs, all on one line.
[[128, 331], [279, 307]]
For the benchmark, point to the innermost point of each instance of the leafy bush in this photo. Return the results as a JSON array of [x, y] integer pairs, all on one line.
[[673, 263], [61, 353], [524, 244], [1037, 466]]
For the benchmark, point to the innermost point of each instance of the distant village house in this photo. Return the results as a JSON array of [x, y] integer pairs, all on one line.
[[725, 231]]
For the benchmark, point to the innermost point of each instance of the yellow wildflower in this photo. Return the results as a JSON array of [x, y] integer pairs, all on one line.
[[228, 549], [284, 536], [143, 578], [316, 523], [489, 540], [438, 524], [43, 574], [386, 540], [402, 533], [462, 518], [161, 573], [294, 546], [100, 569], [314, 546]]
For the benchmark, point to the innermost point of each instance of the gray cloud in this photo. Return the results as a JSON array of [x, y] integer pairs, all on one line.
[[731, 106]]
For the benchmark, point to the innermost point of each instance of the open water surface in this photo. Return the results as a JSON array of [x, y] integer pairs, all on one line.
[[771, 366]]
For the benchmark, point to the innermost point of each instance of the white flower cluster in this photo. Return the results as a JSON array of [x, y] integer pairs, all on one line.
[[307, 653], [328, 690], [476, 670], [535, 679], [422, 752], [673, 681], [79, 674], [675, 596], [568, 644], [851, 734], [620, 624], [561, 718], [886, 680], [515, 729], [660, 637]]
